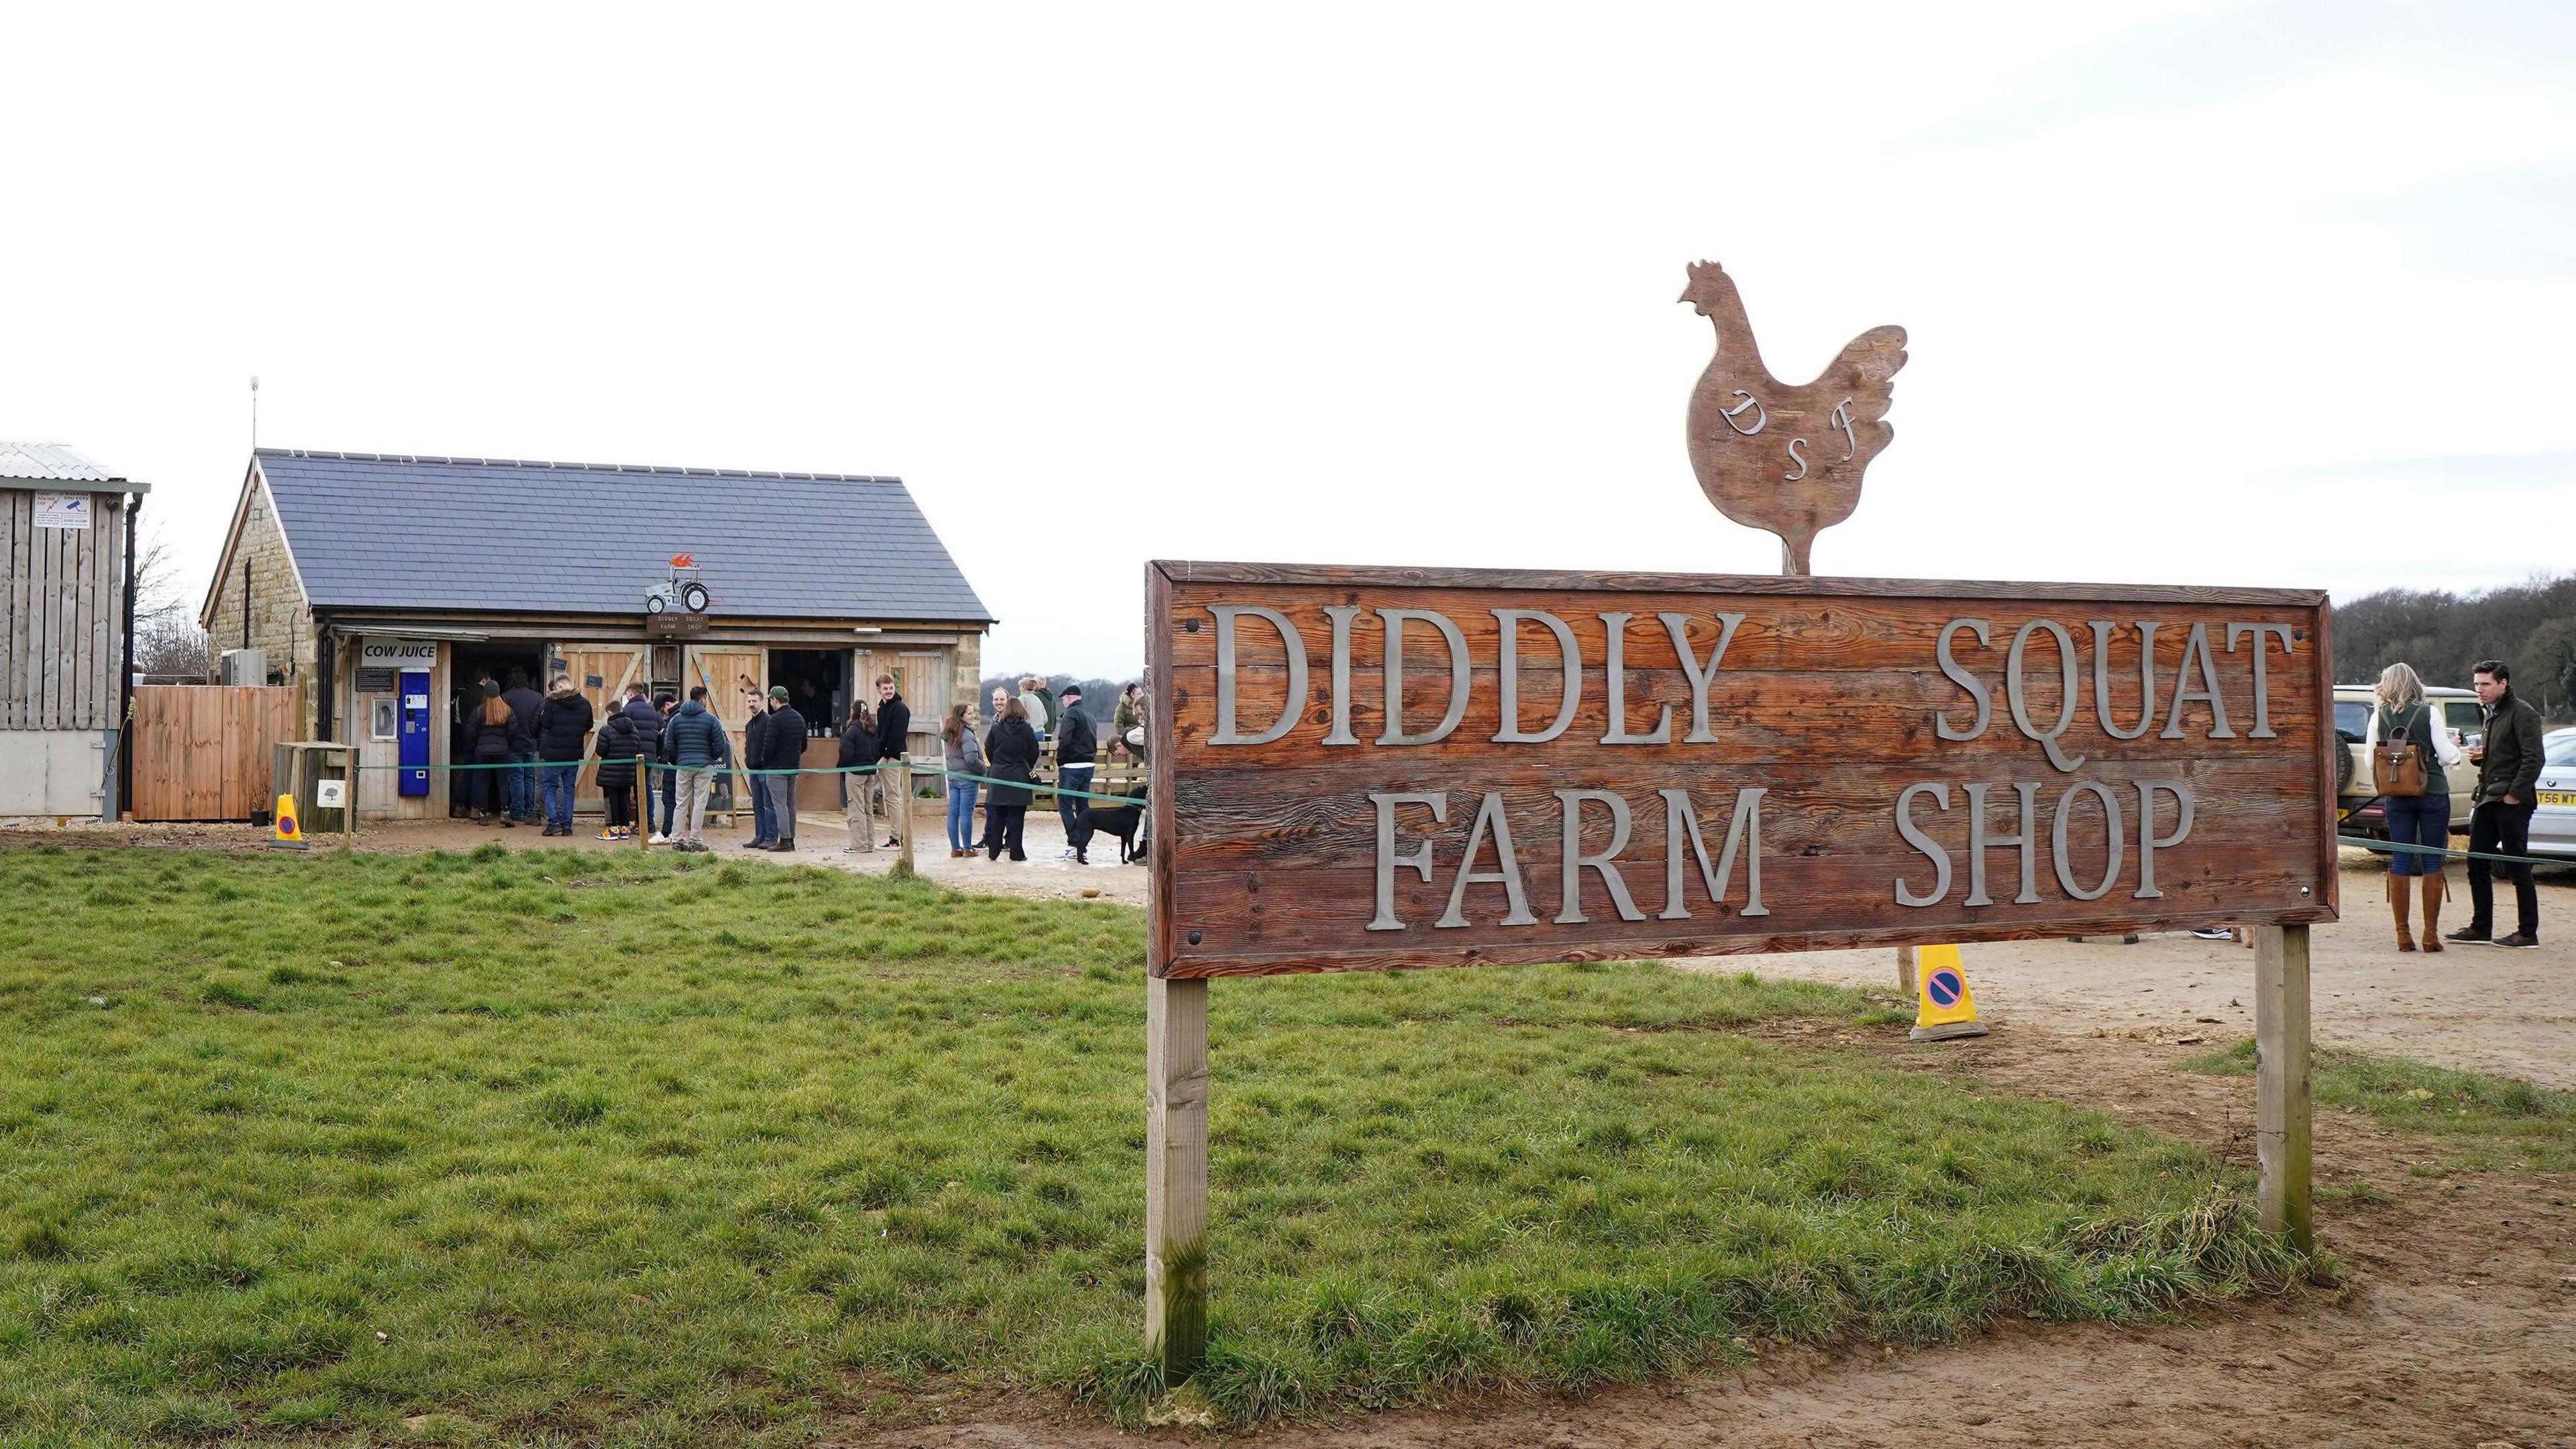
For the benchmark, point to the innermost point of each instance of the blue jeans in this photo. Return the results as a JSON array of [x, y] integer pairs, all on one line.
[[961, 814], [2419, 820], [764, 822], [523, 785], [557, 779], [669, 783]]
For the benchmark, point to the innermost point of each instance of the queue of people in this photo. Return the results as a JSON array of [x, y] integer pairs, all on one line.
[[660, 751]]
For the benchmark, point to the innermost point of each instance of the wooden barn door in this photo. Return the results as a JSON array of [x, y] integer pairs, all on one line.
[[720, 669], [601, 672]]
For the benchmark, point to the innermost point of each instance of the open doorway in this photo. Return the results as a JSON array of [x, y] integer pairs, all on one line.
[[817, 683], [497, 660]]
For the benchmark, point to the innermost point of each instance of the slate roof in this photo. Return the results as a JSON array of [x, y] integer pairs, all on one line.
[[52, 463], [495, 535]]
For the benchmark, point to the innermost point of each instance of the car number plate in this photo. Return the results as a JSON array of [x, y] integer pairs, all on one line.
[[2558, 797]]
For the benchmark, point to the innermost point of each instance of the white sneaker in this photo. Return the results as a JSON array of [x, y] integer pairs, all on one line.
[[660, 839]]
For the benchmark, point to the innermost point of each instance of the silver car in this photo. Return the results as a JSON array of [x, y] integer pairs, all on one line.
[[2553, 825]]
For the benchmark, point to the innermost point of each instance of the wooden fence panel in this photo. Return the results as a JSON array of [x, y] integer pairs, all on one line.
[[201, 752]]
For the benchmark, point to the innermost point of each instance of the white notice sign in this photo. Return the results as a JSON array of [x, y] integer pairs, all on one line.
[[328, 792], [62, 510]]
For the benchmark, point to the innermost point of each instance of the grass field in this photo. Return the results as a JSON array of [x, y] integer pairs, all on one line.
[[565, 1147], [2480, 1120]]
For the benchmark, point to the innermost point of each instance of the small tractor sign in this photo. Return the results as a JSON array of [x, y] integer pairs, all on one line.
[[682, 588]]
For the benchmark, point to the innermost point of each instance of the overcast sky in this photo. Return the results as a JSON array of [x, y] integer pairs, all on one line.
[[2243, 293]]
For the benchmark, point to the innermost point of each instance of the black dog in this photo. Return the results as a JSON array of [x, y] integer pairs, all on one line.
[[1122, 821]]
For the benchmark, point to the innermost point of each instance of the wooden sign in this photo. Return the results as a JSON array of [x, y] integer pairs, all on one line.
[[1378, 768], [674, 624], [1777, 457]]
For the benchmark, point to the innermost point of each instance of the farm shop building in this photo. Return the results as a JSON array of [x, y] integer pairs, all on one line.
[[385, 587]]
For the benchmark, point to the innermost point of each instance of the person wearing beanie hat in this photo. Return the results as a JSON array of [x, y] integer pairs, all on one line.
[[1077, 749]]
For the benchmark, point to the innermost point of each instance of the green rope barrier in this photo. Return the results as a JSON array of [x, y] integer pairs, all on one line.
[[2447, 854], [666, 767]]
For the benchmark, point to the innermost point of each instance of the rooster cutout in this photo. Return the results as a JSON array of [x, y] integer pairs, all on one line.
[[1785, 459]]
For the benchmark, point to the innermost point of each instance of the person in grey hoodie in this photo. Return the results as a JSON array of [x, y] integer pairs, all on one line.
[[695, 744], [962, 756]]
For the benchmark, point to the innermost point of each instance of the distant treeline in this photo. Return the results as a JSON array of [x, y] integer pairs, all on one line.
[[2531, 627]]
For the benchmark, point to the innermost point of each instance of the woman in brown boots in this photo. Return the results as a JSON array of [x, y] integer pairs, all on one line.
[[2421, 817]]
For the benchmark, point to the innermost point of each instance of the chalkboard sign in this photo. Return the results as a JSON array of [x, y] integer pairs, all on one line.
[[375, 681]]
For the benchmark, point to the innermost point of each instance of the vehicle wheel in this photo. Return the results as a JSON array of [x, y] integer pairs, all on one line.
[[695, 597], [2343, 766], [653, 603]]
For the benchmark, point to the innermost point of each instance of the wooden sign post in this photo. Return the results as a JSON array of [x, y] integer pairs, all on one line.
[[1375, 769]]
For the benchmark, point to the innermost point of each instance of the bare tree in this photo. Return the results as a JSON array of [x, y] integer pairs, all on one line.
[[167, 641]]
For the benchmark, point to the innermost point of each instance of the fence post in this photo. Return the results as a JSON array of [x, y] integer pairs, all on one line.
[[901, 804], [2281, 1106]]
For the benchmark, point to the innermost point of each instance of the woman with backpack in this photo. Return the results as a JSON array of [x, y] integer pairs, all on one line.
[[2407, 748]]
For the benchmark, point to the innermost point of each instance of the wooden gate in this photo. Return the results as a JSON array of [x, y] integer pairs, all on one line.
[[201, 751], [601, 672]]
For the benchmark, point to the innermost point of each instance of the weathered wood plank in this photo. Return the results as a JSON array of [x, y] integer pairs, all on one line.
[[1835, 706]]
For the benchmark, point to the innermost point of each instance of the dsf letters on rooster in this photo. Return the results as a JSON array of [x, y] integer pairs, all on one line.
[[2149, 814]]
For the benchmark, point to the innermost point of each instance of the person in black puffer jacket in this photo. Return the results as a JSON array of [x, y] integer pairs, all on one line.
[[693, 740], [563, 735], [1011, 754], [619, 746], [647, 720]]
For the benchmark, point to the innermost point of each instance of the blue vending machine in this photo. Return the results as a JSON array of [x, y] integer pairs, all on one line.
[[415, 732]]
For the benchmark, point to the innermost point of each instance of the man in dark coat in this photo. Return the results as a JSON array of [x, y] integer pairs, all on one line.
[[755, 756], [782, 747], [527, 713], [2508, 759], [894, 728], [1077, 749], [563, 737]]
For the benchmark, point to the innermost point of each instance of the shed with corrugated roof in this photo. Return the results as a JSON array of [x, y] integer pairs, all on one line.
[[66, 622]]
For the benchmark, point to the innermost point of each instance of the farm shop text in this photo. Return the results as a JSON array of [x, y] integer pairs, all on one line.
[[2036, 673]]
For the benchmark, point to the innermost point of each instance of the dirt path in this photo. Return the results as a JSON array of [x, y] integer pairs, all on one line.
[[2457, 1325], [1046, 875], [2482, 1008]]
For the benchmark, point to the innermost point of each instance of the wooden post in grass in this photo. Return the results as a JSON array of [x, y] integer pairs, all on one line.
[[1905, 970], [1176, 1150], [2281, 1103], [902, 805]]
